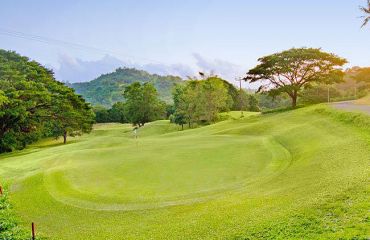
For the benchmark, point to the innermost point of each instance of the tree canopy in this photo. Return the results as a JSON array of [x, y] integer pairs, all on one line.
[[115, 114], [362, 75], [33, 104], [142, 103], [295, 69], [200, 101]]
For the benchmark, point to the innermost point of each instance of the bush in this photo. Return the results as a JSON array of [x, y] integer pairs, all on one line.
[[9, 229]]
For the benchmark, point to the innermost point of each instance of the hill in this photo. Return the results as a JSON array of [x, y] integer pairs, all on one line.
[[108, 88], [299, 174]]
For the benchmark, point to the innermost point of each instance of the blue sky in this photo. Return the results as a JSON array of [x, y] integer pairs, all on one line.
[[227, 36]]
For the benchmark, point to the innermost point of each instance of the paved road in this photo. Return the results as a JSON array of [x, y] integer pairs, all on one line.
[[351, 106]]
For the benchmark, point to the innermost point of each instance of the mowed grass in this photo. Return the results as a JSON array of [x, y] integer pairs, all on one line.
[[300, 174]]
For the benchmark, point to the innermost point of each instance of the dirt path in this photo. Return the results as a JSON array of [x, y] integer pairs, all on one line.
[[352, 106]]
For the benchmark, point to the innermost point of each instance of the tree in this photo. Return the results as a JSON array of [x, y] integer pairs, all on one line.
[[362, 75], [30, 99], [71, 116], [101, 114], [200, 101], [213, 99], [117, 113], [253, 103], [295, 69], [185, 102], [318, 94], [366, 11], [242, 100], [142, 104], [179, 114]]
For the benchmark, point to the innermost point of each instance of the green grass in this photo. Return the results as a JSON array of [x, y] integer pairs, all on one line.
[[300, 174]]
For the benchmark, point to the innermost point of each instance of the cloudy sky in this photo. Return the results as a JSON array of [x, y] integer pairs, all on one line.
[[82, 39]]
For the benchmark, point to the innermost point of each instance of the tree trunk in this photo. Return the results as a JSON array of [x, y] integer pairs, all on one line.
[[182, 127], [294, 100], [65, 137]]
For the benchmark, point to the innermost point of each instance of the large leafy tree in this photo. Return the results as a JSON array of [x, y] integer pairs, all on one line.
[[214, 98], [295, 69], [71, 115], [179, 115], [366, 11], [30, 98], [142, 104], [200, 101]]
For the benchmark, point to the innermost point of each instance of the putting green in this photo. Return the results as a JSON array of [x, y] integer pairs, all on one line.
[[298, 174]]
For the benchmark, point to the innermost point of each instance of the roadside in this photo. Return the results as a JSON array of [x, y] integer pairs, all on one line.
[[352, 106]]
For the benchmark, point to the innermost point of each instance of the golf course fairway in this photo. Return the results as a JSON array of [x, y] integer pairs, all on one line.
[[300, 174]]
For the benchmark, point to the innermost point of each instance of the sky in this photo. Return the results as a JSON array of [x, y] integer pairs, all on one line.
[[81, 39]]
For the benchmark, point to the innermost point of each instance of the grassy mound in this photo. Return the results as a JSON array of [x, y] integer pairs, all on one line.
[[363, 101], [291, 175]]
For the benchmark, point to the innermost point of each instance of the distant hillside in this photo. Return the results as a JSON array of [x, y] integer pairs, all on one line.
[[108, 88]]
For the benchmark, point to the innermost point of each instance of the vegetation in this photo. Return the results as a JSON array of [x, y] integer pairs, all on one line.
[[362, 75], [9, 228], [366, 11], [300, 174], [107, 89], [295, 69], [200, 101], [142, 104], [34, 105], [115, 114]]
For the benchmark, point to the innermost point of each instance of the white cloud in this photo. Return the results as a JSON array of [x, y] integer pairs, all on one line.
[[78, 70], [227, 70]]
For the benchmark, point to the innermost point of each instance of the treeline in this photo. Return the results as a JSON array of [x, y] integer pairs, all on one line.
[[141, 105], [201, 101], [34, 105], [196, 101]]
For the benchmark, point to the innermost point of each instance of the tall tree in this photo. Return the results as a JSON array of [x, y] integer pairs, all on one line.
[[213, 99], [142, 104], [200, 101], [29, 100], [71, 116], [253, 103], [292, 70], [179, 115], [366, 11]]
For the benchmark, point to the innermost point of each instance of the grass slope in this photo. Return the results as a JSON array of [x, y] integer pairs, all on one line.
[[363, 101], [291, 175]]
